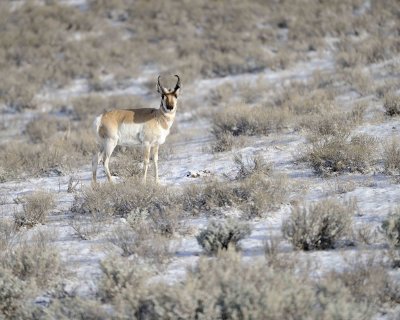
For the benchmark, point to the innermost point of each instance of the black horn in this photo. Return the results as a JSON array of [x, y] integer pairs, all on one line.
[[178, 84], [160, 87]]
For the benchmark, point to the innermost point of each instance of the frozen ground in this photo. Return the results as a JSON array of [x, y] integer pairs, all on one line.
[[375, 192]]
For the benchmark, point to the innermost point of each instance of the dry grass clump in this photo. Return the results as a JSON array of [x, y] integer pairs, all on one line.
[[364, 234], [55, 156], [392, 104], [34, 260], [44, 128], [143, 241], [359, 80], [252, 92], [152, 212], [225, 142], [220, 235], [332, 124], [318, 226], [36, 207], [305, 99], [250, 166], [12, 293], [244, 120], [214, 194], [358, 112], [332, 149], [23, 158], [8, 234], [126, 239], [387, 87], [87, 226], [125, 197], [305, 104], [77, 308], [253, 195], [391, 157], [227, 288], [221, 94], [337, 154], [368, 282], [371, 49], [119, 275], [391, 227]]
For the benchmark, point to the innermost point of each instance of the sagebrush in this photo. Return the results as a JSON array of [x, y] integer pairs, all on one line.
[[318, 226]]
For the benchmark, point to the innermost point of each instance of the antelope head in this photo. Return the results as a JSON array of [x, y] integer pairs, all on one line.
[[169, 97]]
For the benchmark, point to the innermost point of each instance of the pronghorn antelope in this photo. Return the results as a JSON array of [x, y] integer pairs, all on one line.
[[148, 127]]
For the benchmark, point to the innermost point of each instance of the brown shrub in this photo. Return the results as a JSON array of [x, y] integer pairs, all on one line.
[[319, 226], [221, 235], [123, 198], [254, 195], [227, 288], [143, 241], [87, 226], [36, 207], [118, 275], [391, 157], [44, 128], [358, 112], [330, 124], [338, 154], [12, 291], [34, 260], [359, 80], [368, 282], [371, 49], [8, 233], [364, 234], [250, 166], [77, 308], [244, 120], [53, 157], [301, 100], [391, 227], [225, 142], [392, 104], [221, 94]]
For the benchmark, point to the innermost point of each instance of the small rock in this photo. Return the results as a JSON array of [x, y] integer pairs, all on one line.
[[197, 174]]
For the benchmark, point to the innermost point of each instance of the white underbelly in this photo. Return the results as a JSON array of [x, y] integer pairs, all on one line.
[[130, 134]]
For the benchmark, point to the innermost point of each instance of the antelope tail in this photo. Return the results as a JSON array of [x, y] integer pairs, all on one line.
[[97, 123]]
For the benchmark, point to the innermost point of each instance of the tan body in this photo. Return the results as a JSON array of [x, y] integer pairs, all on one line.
[[148, 127]]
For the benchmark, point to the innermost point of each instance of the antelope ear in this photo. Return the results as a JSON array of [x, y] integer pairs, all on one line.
[[177, 92]]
